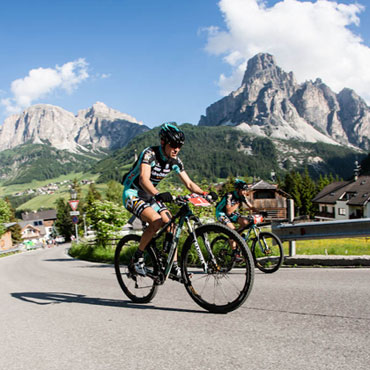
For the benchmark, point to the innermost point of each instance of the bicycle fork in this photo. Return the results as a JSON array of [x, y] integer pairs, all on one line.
[[197, 247]]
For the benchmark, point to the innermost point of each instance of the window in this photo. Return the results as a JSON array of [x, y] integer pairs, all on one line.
[[264, 194], [341, 211]]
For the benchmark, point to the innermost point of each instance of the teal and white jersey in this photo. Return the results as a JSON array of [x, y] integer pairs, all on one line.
[[160, 165], [230, 199]]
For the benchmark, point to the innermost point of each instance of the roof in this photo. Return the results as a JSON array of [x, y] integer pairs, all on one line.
[[358, 192], [50, 214], [9, 224], [263, 185]]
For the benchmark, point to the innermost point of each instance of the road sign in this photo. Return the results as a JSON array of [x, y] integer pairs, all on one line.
[[73, 203], [75, 219], [74, 213]]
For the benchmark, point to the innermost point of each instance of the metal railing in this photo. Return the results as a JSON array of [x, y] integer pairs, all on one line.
[[321, 230], [5, 251]]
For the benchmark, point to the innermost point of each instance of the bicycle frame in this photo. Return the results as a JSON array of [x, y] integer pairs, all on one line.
[[184, 215], [256, 229]]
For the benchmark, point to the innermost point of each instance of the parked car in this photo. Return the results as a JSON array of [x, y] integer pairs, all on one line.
[[60, 239]]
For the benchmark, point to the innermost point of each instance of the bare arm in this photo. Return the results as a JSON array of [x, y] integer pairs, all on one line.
[[190, 185], [231, 208], [249, 204]]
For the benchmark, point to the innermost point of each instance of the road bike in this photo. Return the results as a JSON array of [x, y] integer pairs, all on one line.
[[266, 247], [205, 272]]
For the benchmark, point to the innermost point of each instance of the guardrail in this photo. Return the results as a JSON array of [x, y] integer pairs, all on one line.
[[9, 250], [321, 230]]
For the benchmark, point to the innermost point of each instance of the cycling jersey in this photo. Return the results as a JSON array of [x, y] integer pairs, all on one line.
[[229, 199], [161, 166], [134, 198]]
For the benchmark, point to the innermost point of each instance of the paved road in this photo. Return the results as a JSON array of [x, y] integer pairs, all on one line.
[[60, 313]]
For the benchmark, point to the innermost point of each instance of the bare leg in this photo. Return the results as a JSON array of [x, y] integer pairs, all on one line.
[[155, 222]]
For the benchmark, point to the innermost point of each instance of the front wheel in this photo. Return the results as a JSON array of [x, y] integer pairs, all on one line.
[[140, 289], [216, 285], [267, 252]]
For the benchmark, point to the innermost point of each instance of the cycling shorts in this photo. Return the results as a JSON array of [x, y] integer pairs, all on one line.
[[136, 204], [225, 219]]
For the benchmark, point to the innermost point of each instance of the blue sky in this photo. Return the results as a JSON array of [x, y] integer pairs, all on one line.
[[168, 60]]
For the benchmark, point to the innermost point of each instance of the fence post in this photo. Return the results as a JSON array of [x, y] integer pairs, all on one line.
[[291, 220]]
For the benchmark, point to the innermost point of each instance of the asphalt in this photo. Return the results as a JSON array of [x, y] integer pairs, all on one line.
[[327, 261]]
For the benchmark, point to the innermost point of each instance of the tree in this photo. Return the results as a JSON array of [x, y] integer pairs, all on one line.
[[91, 196], [15, 230], [5, 215], [114, 192], [308, 192], [292, 186], [106, 218], [322, 182], [63, 223]]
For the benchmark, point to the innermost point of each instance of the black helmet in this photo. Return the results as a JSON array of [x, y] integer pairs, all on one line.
[[172, 135], [240, 184]]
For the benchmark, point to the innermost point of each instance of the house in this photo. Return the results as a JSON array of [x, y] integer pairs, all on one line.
[[269, 198], [30, 232], [38, 223], [344, 199], [6, 239]]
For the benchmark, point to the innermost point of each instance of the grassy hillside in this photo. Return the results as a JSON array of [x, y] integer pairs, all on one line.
[[30, 162], [38, 201]]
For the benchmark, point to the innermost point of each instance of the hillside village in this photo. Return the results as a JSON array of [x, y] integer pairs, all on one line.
[[50, 188]]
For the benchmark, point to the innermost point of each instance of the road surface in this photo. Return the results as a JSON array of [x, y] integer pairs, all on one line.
[[61, 313]]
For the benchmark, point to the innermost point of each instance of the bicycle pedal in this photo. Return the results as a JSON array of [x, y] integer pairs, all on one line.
[[176, 278]]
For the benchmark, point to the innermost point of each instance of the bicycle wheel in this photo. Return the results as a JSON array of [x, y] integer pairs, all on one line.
[[140, 289], [225, 253], [267, 252], [219, 289]]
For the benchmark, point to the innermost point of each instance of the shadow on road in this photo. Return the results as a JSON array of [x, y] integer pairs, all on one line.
[[45, 298], [91, 263]]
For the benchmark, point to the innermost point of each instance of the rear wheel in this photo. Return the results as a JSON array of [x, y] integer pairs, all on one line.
[[216, 285], [267, 252], [140, 289]]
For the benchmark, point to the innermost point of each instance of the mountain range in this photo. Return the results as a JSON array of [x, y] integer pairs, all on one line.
[[271, 103], [96, 128], [299, 124]]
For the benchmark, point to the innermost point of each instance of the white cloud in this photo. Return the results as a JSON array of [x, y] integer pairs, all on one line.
[[312, 39], [41, 82], [105, 75]]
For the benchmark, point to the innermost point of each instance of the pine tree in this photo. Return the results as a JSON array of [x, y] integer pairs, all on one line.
[[307, 191], [114, 192], [15, 230], [63, 223]]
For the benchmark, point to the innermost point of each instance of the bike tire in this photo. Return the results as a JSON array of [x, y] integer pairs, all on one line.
[[140, 289], [219, 290], [270, 261], [225, 253]]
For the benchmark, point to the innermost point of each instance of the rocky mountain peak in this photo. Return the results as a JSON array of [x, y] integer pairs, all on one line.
[[101, 110], [263, 68], [271, 103], [95, 127]]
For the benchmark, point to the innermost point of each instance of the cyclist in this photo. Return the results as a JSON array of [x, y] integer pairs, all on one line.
[[140, 195], [227, 209]]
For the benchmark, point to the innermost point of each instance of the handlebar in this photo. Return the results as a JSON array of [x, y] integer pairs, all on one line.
[[183, 199]]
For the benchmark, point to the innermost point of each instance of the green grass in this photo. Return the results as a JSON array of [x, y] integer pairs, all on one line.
[[12, 189], [344, 246], [48, 200], [93, 253]]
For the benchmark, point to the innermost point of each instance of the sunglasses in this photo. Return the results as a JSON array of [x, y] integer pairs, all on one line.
[[174, 145]]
